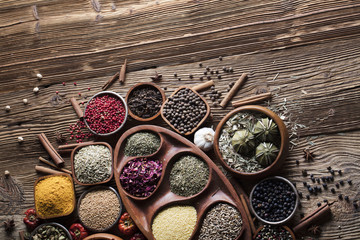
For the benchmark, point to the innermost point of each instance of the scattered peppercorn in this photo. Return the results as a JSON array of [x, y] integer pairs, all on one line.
[[349, 182], [231, 69], [201, 78], [220, 58], [219, 76], [205, 72], [305, 184], [191, 76], [200, 64], [326, 201], [297, 162], [304, 173], [302, 215], [208, 78], [325, 186], [319, 204], [211, 72], [329, 168], [308, 197], [355, 205], [332, 172], [300, 194], [340, 196], [224, 69], [346, 198], [337, 185], [341, 182], [179, 79], [75, 83], [208, 68], [340, 172], [333, 190], [175, 74]]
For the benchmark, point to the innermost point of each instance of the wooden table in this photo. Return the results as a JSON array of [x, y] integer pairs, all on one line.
[[307, 53]]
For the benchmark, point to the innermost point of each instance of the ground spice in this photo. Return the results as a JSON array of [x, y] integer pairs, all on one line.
[[182, 181], [54, 196], [93, 164], [223, 221], [174, 223], [99, 209], [142, 144]]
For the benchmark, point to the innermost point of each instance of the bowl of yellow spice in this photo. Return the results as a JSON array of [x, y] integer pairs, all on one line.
[[54, 196]]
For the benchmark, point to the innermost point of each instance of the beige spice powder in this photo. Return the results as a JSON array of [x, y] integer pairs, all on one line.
[[99, 209]]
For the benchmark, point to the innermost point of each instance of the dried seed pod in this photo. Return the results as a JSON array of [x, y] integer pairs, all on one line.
[[243, 141], [266, 153], [266, 130]]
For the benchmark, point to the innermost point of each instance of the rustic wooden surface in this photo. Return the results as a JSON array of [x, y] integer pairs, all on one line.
[[306, 52]]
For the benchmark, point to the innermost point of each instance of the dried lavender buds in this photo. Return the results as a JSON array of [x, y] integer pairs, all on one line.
[[141, 144], [223, 221], [182, 181], [184, 110], [93, 164]]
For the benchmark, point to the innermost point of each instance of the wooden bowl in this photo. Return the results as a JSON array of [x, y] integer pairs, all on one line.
[[283, 150], [199, 124], [102, 236], [141, 85], [55, 215], [292, 213], [284, 227], [76, 149], [52, 224], [114, 94], [94, 189], [173, 146]]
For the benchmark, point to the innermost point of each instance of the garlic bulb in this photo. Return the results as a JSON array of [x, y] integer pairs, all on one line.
[[204, 138]]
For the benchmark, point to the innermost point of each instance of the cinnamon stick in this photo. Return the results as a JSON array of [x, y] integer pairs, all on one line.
[[203, 86], [234, 90], [251, 100], [73, 145], [122, 75], [77, 108], [22, 235], [108, 83], [317, 217], [46, 170], [50, 149], [246, 208], [53, 165]]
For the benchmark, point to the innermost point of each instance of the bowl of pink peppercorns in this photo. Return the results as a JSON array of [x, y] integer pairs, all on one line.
[[105, 113]]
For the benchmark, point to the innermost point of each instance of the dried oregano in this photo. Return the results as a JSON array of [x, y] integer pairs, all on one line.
[[141, 144]]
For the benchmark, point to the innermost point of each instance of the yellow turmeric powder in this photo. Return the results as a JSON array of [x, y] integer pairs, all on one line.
[[54, 196]]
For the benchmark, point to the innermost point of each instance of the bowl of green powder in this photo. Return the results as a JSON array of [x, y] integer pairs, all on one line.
[[92, 163]]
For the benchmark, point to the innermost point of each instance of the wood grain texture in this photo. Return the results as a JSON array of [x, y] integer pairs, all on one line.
[[307, 53]]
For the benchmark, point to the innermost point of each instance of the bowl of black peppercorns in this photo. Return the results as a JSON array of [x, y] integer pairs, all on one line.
[[274, 200], [185, 110]]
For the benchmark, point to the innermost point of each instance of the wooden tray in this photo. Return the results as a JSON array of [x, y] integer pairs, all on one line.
[[143, 210]]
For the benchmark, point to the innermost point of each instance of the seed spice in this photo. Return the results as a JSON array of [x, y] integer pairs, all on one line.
[[93, 164], [177, 222], [50, 232], [142, 144], [99, 209], [182, 181], [223, 221]]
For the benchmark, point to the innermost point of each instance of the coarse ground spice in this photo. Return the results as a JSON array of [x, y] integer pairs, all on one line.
[[182, 180], [174, 223], [99, 209], [269, 232], [141, 144], [223, 221], [105, 113], [93, 164], [54, 196]]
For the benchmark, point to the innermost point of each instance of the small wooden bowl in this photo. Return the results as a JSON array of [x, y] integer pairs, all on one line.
[[52, 224], [142, 85], [102, 236], [73, 153], [288, 218], [94, 189], [114, 94], [56, 215], [199, 124], [284, 227], [283, 151]]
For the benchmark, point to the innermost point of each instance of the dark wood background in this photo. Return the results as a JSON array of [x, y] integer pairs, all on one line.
[[306, 52]]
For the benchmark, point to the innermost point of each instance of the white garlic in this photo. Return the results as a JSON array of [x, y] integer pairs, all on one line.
[[25, 101], [20, 139], [36, 90], [39, 76], [204, 138], [7, 108]]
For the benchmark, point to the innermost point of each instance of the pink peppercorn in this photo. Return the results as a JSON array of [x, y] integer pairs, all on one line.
[[63, 83], [89, 89], [75, 84], [79, 94]]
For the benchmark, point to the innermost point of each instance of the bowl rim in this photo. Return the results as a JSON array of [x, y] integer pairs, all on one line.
[[284, 145], [208, 109], [125, 118], [73, 190], [139, 85], [73, 152], [51, 223], [288, 217], [94, 188]]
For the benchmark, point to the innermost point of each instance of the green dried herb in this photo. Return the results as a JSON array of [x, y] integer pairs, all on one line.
[[182, 176], [266, 153], [141, 144]]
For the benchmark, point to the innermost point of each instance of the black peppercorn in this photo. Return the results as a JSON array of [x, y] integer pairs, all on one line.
[[341, 182], [175, 74], [224, 69], [297, 162], [318, 180], [304, 173], [307, 196], [300, 194], [340, 196], [346, 198], [319, 204], [305, 184], [349, 182], [340, 172], [165, 88], [219, 76], [205, 73], [329, 168], [323, 179], [201, 78], [208, 77], [302, 215], [332, 172], [231, 69], [211, 72], [355, 205], [208, 68], [191, 76], [325, 201], [313, 179], [325, 186], [220, 58], [337, 185], [179, 79], [333, 190], [200, 64]]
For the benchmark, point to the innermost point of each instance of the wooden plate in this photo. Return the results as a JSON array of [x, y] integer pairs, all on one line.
[[202, 120], [283, 151], [143, 210], [141, 85], [74, 151]]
